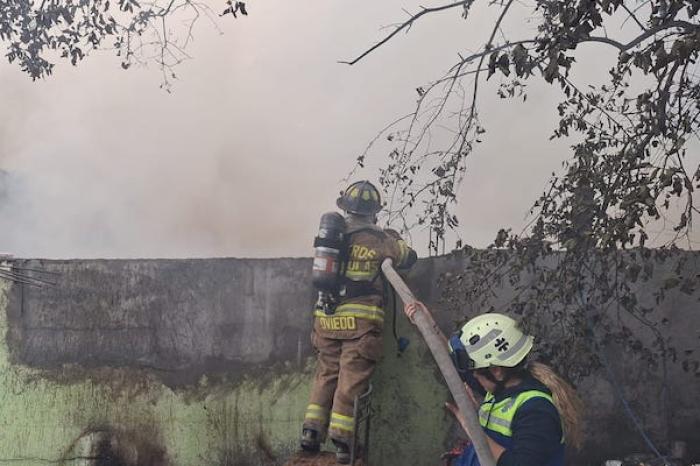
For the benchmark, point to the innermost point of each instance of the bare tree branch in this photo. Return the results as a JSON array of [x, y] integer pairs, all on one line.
[[406, 25]]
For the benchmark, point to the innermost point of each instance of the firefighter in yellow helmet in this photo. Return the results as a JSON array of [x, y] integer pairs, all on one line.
[[348, 338]]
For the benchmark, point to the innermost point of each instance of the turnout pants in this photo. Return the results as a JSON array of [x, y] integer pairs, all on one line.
[[343, 370]]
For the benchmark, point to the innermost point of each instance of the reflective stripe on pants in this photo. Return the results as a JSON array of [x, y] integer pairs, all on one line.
[[343, 370], [342, 423], [316, 413]]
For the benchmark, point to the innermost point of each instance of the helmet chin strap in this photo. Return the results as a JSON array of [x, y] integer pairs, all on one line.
[[519, 370], [499, 384]]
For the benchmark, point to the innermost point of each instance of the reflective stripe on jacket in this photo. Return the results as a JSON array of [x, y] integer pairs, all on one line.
[[498, 416], [362, 309]]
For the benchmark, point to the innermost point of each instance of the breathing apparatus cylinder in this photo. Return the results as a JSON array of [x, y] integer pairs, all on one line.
[[328, 248]]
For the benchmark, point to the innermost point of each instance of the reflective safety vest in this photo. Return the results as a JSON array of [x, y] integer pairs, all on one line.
[[498, 416]]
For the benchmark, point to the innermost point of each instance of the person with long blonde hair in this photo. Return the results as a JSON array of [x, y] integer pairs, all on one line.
[[528, 412]]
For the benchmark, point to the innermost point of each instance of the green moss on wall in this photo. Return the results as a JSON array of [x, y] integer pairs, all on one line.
[[236, 422], [63, 415]]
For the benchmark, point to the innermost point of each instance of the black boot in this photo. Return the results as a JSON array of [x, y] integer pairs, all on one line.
[[342, 453], [310, 440]]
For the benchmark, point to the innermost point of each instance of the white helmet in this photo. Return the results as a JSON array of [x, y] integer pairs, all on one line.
[[494, 340]]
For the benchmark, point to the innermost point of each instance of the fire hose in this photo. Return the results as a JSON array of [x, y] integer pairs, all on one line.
[[435, 341]]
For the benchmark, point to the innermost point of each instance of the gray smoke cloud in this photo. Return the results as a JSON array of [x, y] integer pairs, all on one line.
[[253, 144]]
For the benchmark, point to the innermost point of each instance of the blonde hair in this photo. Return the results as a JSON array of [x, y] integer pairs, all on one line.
[[566, 400]]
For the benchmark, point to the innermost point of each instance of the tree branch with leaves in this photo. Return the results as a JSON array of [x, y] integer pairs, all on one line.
[[583, 258], [37, 34], [640, 133]]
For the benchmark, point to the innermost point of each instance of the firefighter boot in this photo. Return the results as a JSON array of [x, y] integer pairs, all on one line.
[[310, 440], [342, 453]]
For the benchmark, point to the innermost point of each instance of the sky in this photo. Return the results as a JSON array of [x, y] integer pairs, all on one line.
[[254, 141]]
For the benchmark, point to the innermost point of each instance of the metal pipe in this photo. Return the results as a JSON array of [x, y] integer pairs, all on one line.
[[13, 278], [30, 269], [435, 341], [31, 278]]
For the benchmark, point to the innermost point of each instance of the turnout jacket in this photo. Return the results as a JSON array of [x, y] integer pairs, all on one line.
[[361, 309]]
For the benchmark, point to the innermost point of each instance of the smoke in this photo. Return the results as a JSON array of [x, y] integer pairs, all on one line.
[[89, 186], [252, 146], [4, 180], [99, 163], [240, 160]]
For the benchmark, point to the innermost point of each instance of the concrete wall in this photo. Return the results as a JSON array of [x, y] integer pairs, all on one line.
[[208, 362]]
